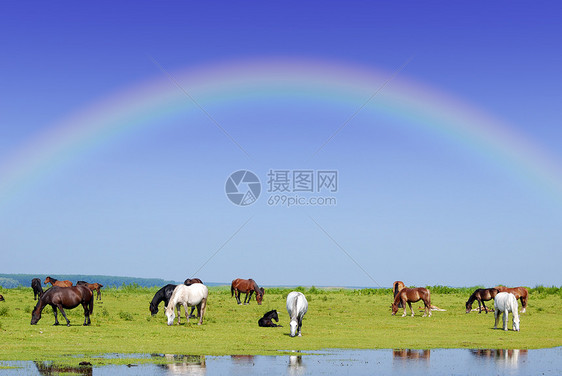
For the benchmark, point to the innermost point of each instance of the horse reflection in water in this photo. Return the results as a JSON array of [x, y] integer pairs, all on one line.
[[411, 354], [296, 367], [242, 359], [507, 358], [50, 368], [184, 364]]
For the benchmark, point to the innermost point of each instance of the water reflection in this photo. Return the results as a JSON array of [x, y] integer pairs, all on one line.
[[183, 364], [242, 359], [411, 354], [507, 358], [296, 366], [50, 368]]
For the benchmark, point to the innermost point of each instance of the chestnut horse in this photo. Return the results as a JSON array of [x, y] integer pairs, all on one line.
[[65, 297], [248, 286], [409, 296], [56, 282], [1, 298], [92, 286], [396, 287], [519, 292], [481, 295]]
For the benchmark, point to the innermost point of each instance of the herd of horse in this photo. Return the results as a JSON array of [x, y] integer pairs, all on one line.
[[505, 301], [193, 293]]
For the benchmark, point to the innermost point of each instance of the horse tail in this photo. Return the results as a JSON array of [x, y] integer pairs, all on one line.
[[232, 289], [294, 312], [91, 304]]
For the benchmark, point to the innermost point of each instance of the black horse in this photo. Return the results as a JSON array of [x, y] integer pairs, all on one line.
[[65, 297], [267, 320], [164, 294], [37, 288]]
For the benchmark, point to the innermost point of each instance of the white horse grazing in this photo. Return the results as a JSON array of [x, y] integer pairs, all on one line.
[[505, 302], [188, 296], [297, 305]]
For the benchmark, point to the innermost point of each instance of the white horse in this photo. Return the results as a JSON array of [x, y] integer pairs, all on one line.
[[506, 302], [297, 305], [188, 296]]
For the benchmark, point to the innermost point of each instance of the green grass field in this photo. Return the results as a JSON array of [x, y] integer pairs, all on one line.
[[335, 319]]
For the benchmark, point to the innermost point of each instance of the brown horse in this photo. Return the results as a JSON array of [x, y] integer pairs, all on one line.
[[92, 286], [65, 297], [481, 295], [1, 298], [56, 282], [519, 292], [409, 296], [190, 281], [396, 287], [248, 286]]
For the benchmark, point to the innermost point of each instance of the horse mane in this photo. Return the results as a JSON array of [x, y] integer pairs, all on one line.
[[397, 297], [256, 288], [472, 297], [53, 279]]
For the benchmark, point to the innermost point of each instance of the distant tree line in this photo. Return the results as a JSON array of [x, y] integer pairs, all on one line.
[[10, 281]]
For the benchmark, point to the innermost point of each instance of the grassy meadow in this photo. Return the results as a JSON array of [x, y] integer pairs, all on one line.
[[337, 318]]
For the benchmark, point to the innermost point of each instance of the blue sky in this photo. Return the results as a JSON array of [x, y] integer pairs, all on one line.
[[411, 205]]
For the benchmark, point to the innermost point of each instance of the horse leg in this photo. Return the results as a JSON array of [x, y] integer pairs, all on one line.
[[201, 308], [64, 315], [55, 312], [484, 305], [479, 306], [178, 309], [411, 309], [299, 327], [248, 297], [523, 304], [505, 317], [403, 301], [237, 295], [191, 313], [186, 309], [86, 314], [496, 318]]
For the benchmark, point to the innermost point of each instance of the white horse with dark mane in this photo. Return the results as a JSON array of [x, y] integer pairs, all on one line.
[[506, 302], [297, 305], [188, 296]]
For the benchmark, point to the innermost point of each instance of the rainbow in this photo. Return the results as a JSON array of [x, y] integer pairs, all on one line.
[[139, 106]]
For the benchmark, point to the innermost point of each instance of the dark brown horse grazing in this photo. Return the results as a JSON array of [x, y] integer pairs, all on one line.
[[519, 292], [396, 287], [409, 296], [248, 286], [92, 286], [481, 295], [1, 298], [37, 289], [65, 297], [190, 281], [56, 282]]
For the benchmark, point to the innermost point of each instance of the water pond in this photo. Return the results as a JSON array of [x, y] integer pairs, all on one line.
[[328, 362]]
